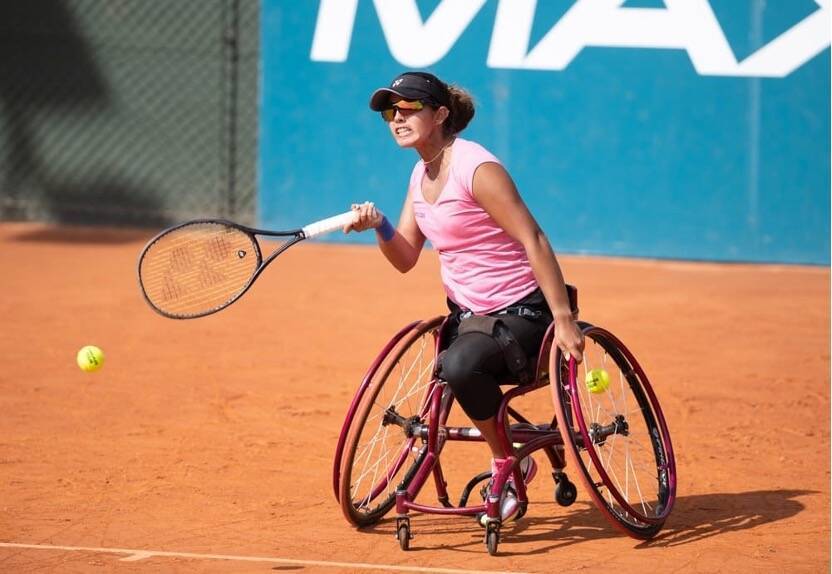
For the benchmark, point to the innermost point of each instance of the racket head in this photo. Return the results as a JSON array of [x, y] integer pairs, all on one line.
[[198, 268]]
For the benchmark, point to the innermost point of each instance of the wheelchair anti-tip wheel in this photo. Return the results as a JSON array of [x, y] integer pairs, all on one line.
[[615, 433], [565, 491], [381, 453]]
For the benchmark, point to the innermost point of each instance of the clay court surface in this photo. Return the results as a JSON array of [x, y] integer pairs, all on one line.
[[206, 445]]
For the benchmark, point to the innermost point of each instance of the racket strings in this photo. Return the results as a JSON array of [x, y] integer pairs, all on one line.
[[195, 269]]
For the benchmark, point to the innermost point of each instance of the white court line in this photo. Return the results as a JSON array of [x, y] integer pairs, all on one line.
[[138, 554]]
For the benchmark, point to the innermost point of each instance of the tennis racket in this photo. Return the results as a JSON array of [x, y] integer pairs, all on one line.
[[202, 266]]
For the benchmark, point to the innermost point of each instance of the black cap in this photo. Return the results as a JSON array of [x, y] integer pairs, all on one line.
[[413, 86]]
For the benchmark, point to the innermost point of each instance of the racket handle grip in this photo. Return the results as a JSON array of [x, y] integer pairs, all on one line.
[[328, 225]]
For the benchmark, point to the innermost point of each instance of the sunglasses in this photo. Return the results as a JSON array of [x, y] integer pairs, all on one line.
[[403, 106]]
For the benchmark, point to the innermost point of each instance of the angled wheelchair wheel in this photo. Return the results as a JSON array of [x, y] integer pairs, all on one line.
[[615, 433], [380, 452], [349, 419]]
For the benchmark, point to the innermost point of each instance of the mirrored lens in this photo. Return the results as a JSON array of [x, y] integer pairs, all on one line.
[[402, 105]]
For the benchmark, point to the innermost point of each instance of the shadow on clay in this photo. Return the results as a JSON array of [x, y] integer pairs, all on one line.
[[694, 518]]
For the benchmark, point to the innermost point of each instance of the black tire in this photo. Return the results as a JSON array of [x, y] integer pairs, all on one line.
[[403, 534], [492, 539], [565, 492]]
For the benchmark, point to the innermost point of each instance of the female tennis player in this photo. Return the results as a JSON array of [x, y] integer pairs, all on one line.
[[495, 260]]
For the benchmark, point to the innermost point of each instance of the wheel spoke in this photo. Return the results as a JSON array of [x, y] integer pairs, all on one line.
[[381, 454], [623, 452]]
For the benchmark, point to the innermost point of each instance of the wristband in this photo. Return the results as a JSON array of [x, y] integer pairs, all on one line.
[[386, 230]]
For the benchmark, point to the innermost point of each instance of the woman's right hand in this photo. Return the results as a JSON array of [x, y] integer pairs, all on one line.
[[569, 338], [367, 217]]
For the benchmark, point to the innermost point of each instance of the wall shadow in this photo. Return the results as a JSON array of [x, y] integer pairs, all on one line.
[[81, 235], [48, 70]]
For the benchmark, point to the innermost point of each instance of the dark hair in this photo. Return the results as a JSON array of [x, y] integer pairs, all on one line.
[[461, 110]]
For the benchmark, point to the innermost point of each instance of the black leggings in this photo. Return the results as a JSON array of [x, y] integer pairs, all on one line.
[[474, 365]]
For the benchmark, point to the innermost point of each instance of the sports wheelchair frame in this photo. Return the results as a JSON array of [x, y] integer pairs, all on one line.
[[607, 423]]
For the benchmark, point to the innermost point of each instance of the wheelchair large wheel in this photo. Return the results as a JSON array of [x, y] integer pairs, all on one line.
[[615, 433], [366, 382], [381, 454]]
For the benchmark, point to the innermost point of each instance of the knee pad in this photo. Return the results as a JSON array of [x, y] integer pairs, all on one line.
[[466, 366], [459, 364]]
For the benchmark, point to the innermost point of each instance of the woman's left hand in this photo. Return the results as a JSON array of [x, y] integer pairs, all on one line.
[[367, 217], [569, 338]]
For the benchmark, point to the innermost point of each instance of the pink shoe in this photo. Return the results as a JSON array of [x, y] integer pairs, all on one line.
[[509, 504], [528, 468], [508, 508]]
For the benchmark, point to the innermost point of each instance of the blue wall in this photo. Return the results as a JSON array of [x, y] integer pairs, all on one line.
[[715, 146]]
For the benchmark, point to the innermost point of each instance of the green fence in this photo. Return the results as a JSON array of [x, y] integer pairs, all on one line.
[[127, 111]]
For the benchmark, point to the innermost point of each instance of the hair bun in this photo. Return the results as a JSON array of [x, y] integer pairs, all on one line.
[[461, 108]]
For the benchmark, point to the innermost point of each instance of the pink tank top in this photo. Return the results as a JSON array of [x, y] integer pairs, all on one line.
[[483, 268]]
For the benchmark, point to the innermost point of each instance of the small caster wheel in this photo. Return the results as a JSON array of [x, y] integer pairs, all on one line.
[[403, 533], [565, 491], [492, 537]]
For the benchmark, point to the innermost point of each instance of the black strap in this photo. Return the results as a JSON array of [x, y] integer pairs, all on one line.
[[515, 356], [533, 306]]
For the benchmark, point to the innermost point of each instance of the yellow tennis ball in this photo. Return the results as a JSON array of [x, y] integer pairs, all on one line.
[[597, 380], [90, 358]]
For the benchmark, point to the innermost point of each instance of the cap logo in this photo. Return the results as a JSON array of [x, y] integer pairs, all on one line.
[[397, 82]]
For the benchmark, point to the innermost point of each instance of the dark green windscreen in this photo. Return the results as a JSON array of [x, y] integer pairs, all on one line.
[[124, 111]]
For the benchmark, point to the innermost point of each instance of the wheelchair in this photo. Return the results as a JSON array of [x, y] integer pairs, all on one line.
[[607, 423]]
